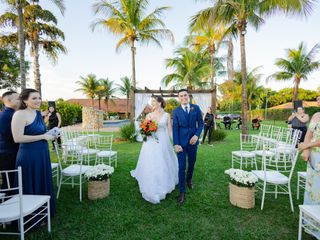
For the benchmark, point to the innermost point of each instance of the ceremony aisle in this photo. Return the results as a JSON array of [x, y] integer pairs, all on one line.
[[206, 214]]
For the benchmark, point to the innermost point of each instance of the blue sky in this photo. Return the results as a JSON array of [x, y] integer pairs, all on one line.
[[94, 52]]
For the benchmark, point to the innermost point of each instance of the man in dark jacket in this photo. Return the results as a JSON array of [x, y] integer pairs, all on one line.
[[8, 148]]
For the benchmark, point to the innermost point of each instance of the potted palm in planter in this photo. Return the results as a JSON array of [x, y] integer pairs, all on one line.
[[241, 188], [99, 181]]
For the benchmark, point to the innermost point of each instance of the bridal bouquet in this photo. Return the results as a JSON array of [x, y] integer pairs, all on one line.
[[148, 127], [241, 178]]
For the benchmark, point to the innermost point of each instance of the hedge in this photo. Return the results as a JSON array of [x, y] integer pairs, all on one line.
[[280, 114]]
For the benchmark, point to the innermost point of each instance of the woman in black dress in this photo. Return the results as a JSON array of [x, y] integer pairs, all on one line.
[[208, 125], [53, 119]]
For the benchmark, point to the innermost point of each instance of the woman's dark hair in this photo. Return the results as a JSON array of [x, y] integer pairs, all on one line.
[[160, 99], [52, 107], [183, 90], [24, 95]]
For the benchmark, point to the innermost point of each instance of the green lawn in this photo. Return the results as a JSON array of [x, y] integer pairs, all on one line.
[[207, 213]]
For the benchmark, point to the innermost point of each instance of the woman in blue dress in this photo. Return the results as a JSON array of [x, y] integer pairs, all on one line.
[[29, 129]]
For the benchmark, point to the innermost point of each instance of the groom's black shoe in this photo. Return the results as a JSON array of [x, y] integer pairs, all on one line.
[[181, 198], [190, 185]]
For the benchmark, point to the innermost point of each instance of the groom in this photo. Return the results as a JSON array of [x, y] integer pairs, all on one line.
[[187, 127]]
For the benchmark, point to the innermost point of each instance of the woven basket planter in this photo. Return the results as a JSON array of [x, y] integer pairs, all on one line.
[[242, 197], [98, 189]]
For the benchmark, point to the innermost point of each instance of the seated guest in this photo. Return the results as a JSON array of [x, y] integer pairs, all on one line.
[[208, 126], [29, 129], [227, 122], [311, 154], [299, 121], [8, 148], [256, 123]]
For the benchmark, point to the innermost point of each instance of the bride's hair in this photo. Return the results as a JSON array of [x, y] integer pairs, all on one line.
[[160, 99]]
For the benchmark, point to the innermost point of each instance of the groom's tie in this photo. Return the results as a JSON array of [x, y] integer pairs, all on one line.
[[186, 111]]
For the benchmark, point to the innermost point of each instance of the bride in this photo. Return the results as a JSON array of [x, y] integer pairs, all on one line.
[[157, 167]]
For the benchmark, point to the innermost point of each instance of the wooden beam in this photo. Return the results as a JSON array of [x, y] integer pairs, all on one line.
[[160, 91]]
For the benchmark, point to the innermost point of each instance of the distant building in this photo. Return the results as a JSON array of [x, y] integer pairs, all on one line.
[[288, 105], [118, 106]]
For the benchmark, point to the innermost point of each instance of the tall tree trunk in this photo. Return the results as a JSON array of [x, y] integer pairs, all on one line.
[[244, 82], [127, 113], [107, 103], [92, 103], [133, 83], [213, 84], [21, 45], [230, 66], [296, 89], [36, 66], [99, 102]]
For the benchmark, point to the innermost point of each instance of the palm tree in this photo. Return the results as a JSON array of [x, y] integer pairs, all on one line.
[[190, 69], [89, 86], [238, 14], [124, 89], [208, 38], [108, 91], [40, 32], [230, 66], [297, 65], [19, 5], [127, 19], [253, 88]]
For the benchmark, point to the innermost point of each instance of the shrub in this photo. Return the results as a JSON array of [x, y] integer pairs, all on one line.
[[128, 132], [112, 114], [218, 135]]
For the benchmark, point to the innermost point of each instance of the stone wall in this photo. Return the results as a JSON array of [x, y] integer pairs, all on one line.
[[92, 118]]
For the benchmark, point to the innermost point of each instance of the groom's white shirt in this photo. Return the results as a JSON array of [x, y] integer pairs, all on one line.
[[184, 107]]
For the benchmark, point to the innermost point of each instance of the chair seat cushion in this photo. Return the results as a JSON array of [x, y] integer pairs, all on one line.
[[74, 170], [9, 210], [273, 177], [106, 153], [260, 152], [245, 154], [54, 165], [302, 174], [88, 151], [311, 210], [283, 150]]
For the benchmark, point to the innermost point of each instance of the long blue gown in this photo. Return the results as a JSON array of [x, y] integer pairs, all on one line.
[[34, 159]]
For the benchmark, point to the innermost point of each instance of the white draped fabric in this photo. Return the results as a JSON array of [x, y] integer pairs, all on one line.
[[141, 101], [203, 100]]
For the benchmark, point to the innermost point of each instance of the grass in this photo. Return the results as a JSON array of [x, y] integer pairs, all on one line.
[[207, 213]]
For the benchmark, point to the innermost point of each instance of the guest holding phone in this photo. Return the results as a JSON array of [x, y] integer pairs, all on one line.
[[299, 121], [53, 118], [208, 125]]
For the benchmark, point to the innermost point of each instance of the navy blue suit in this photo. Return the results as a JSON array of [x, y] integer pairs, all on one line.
[[185, 126], [8, 148]]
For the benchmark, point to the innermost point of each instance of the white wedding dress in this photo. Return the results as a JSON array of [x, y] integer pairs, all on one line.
[[157, 167]]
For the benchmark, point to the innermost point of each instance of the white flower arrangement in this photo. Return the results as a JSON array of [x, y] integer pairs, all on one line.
[[99, 172], [241, 178]]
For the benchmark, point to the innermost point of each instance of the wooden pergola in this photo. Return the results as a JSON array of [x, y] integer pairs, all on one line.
[[171, 93], [167, 94]]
